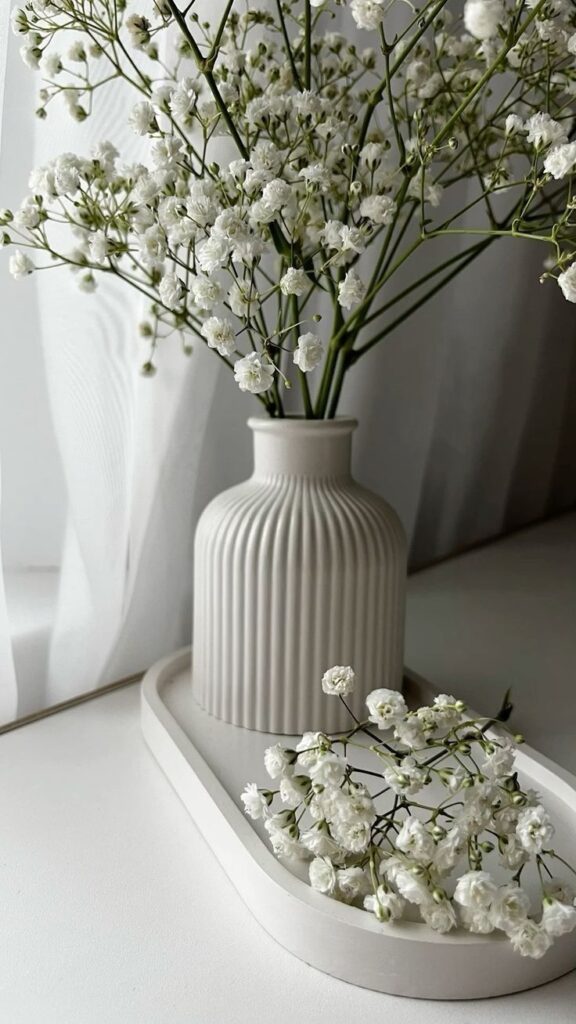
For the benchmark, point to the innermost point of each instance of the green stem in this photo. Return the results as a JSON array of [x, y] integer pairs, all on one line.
[[357, 353], [308, 44], [488, 74]]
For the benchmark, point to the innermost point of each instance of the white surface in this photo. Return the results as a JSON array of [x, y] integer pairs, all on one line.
[[505, 615], [207, 761], [114, 910], [296, 569], [31, 598]]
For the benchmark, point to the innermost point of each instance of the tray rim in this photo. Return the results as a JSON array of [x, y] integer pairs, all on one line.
[[173, 748]]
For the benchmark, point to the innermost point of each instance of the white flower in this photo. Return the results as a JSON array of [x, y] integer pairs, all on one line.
[[414, 840], [206, 291], [475, 890], [567, 282], [482, 17], [432, 191], [98, 247], [513, 853], [276, 194], [311, 747], [212, 253], [328, 770], [19, 21], [322, 875], [387, 906], [309, 353], [294, 282], [352, 883], [316, 176], [219, 334], [411, 885], [293, 789], [477, 920], [543, 130], [446, 710], [66, 174], [500, 762], [153, 246], [142, 118], [454, 778], [139, 29], [514, 124], [561, 160], [254, 373], [28, 216], [20, 265], [378, 209], [165, 152], [386, 707], [534, 828], [51, 65], [238, 297], [287, 847], [406, 778], [319, 842], [41, 181], [339, 680], [449, 848], [31, 54], [530, 939], [409, 731], [441, 917], [255, 803], [354, 836], [278, 761], [183, 101], [367, 14], [77, 53], [509, 907], [558, 918]]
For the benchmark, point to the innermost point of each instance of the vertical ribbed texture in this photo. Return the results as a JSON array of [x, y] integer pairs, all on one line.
[[296, 572]]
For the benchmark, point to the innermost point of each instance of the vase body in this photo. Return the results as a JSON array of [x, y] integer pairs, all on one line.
[[296, 570]]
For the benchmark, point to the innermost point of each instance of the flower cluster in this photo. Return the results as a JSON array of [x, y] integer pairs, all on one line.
[[339, 149], [438, 823]]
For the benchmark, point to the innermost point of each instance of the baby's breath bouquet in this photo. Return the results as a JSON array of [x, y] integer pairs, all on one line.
[[427, 827], [292, 169]]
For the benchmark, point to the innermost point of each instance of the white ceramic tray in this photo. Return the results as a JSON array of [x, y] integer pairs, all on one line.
[[209, 762]]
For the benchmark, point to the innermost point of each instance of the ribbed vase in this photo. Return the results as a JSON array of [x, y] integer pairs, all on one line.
[[296, 570]]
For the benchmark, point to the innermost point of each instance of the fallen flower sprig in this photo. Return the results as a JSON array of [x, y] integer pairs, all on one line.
[[383, 838]]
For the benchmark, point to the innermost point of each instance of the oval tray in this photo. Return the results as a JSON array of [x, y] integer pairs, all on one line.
[[208, 763]]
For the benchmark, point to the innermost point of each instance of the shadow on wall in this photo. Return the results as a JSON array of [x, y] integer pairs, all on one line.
[[471, 429]]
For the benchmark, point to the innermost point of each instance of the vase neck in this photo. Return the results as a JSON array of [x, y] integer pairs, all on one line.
[[319, 448]]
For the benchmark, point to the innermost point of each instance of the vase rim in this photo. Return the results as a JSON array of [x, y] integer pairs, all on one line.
[[301, 426]]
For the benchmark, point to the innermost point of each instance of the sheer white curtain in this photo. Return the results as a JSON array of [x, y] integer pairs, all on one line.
[[467, 417]]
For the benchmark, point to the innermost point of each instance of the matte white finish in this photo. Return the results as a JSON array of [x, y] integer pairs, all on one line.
[[208, 761], [296, 570], [116, 911]]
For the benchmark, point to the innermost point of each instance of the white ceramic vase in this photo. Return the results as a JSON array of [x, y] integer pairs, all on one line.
[[296, 569]]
